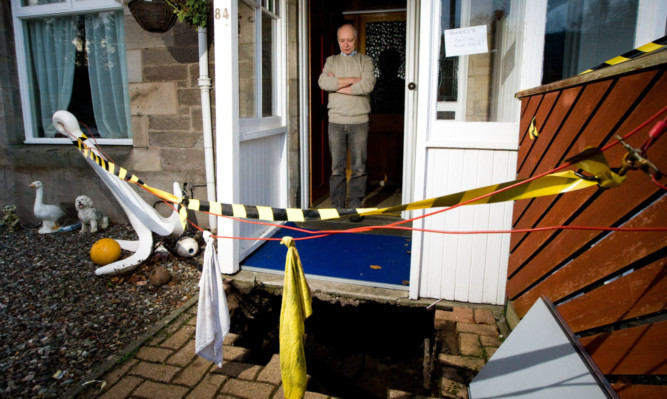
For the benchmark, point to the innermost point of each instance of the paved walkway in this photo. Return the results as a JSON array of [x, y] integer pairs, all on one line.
[[163, 364]]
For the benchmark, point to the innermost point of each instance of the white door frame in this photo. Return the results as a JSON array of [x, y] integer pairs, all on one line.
[[449, 137], [225, 28]]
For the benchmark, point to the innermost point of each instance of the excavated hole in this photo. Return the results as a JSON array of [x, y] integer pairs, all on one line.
[[353, 348]]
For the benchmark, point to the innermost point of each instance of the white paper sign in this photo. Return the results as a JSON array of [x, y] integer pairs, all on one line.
[[464, 41]]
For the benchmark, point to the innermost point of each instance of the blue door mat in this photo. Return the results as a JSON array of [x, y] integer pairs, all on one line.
[[363, 259]]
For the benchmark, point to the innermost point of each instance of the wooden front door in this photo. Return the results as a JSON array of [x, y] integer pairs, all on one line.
[[382, 36], [324, 21]]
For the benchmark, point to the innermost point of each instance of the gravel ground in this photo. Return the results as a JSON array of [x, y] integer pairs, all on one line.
[[59, 322]]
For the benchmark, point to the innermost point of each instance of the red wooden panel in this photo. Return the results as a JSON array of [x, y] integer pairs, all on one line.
[[548, 122], [637, 294], [606, 117], [531, 104], [625, 94], [554, 150], [642, 391], [626, 198], [614, 252], [631, 351], [621, 199]]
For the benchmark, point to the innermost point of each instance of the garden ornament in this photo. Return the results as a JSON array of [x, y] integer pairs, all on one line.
[[144, 218], [91, 218], [187, 247], [10, 219], [50, 215]]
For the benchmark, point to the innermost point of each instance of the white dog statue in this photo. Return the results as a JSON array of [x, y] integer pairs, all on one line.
[[91, 218]]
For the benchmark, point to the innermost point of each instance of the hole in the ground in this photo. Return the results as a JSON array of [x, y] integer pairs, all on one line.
[[353, 349]]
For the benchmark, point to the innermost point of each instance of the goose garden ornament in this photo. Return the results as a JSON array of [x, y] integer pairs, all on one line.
[[48, 214]]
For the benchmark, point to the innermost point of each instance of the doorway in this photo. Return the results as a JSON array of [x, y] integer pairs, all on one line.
[[382, 36]]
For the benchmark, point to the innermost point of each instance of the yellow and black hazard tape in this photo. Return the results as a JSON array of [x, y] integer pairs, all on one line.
[[590, 160], [645, 49]]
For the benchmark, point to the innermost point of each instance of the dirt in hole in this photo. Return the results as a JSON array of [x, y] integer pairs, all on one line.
[[353, 348]]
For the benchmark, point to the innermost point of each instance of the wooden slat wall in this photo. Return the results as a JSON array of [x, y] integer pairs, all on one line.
[[611, 288]]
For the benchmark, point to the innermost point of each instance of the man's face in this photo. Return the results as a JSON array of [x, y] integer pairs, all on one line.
[[346, 40]]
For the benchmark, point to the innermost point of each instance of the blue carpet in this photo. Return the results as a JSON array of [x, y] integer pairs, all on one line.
[[371, 259]]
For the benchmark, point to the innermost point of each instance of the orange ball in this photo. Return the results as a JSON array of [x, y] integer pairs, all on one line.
[[105, 251]]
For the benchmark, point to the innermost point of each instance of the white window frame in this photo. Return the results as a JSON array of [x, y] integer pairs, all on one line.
[[258, 126], [20, 14]]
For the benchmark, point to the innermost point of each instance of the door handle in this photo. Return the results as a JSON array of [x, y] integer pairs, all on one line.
[[412, 86]]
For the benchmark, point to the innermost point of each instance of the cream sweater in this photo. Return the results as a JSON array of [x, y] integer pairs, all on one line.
[[343, 108]]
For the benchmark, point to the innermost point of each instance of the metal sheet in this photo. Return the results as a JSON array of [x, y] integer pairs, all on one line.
[[539, 360]]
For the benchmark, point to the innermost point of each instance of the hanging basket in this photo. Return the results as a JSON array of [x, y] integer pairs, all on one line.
[[153, 15]]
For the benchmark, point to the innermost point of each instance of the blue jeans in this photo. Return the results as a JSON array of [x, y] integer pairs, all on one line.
[[342, 136]]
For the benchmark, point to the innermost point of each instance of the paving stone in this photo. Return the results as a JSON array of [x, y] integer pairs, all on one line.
[[117, 373], [469, 344], [175, 324], [193, 373], [484, 316], [235, 353], [207, 387], [151, 354], [453, 389], [490, 350], [457, 314], [490, 341], [158, 338], [248, 389], [454, 373], [279, 394], [479, 329], [314, 395], [464, 362], [179, 338], [159, 372], [192, 310], [151, 390], [250, 373], [396, 394], [123, 388], [183, 356], [230, 338], [271, 372], [236, 369]]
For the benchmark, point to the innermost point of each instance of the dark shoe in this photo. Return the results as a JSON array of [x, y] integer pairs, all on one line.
[[356, 218]]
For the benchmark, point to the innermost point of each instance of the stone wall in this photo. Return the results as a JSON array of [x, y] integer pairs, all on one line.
[[163, 71], [165, 106]]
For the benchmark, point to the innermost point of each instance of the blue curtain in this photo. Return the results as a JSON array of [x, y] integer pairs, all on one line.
[[53, 50], [105, 46]]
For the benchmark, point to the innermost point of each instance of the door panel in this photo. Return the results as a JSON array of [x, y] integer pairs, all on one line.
[[323, 24], [383, 37]]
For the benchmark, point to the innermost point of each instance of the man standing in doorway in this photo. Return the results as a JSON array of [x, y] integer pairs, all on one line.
[[349, 77]]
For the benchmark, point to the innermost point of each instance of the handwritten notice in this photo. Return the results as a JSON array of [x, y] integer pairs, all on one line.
[[465, 41]]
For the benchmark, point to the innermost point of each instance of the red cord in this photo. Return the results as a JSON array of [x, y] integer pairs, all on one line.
[[396, 225]]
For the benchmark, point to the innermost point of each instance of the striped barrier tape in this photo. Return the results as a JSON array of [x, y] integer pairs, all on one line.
[[645, 49], [591, 160]]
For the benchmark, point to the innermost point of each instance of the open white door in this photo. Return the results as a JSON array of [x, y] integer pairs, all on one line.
[[251, 128], [466, 137]]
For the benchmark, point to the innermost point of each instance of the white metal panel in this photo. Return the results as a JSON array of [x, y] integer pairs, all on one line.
[[262, 163], [470, 268]]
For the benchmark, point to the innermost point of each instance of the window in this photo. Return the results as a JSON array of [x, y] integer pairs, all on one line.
[[257, 44], [71, 55], [584, 33], [477, 55]]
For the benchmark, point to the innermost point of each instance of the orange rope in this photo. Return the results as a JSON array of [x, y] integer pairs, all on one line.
[[396, 225]]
